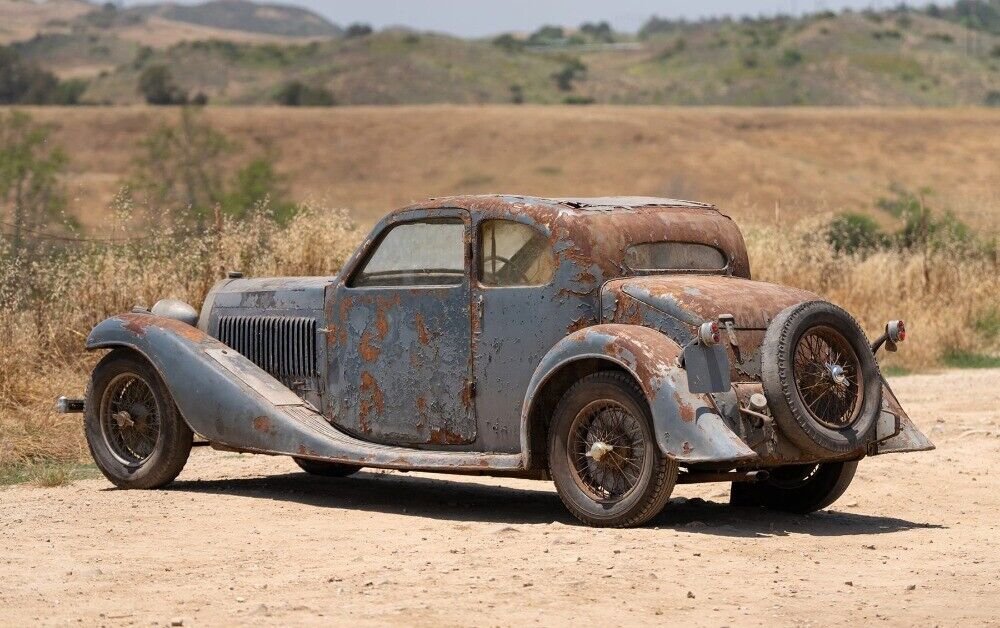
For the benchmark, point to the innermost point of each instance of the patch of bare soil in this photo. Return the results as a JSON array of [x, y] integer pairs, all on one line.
[[915, 541]]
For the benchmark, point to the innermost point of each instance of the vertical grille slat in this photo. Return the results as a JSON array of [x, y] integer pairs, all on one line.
[[284, 346]]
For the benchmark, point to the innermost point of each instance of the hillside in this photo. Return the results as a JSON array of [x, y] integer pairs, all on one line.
[[237, 52], [775, 166], [241, 15]]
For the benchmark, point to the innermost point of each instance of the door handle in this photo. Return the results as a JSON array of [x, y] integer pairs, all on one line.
[[479, 313]]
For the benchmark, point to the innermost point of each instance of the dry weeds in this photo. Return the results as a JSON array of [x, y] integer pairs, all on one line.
[[47, 308]]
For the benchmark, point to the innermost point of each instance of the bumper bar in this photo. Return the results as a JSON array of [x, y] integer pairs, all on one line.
[[65, 405]]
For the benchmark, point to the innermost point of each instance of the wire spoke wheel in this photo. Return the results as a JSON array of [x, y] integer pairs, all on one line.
[[130, 419], [828, 377], [607, 450]]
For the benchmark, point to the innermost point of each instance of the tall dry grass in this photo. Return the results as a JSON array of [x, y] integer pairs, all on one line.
[[944, 294], [48, 306]]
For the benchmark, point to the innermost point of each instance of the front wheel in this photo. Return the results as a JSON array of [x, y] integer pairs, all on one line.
[[603, 456], [134, 431], [799, 489]]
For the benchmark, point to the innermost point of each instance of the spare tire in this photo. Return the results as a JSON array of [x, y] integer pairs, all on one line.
[[821, 379]]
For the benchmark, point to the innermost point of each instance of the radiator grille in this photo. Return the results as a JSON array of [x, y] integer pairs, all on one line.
[[284, 346]]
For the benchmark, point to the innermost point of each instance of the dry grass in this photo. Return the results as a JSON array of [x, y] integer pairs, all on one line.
[[762, 165], [47, 309]]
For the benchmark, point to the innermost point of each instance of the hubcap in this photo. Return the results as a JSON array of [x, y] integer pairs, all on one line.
[[607, 450], [130, 421], [828, 377]]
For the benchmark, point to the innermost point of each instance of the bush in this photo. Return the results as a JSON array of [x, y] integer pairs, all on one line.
[[156, 84], [298, 94], [855, 233], [571, 71], [547, 35], [358, 30], [23, 83], [508, 42], [598, 31], [992, 98], [790, 57]]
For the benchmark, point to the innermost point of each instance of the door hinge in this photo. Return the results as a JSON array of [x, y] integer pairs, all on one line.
[[470, 389]]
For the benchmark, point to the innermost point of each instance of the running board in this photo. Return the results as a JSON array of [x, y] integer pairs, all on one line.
[[302, 432], [236, 405]]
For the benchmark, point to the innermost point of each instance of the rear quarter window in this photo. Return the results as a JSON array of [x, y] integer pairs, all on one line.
[[675, 256]]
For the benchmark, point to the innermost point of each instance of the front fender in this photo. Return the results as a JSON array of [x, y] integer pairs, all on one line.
[[687, 425], [218, 391]]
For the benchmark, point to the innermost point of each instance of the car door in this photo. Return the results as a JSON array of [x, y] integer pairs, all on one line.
[[400, 335], [519, 313]]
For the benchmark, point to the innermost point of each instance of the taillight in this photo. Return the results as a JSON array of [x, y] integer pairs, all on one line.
[[896, 331], [708, 333]]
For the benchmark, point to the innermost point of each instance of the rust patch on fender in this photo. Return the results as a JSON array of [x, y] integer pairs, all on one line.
[[685, 410], [138, 324], [263, 424]]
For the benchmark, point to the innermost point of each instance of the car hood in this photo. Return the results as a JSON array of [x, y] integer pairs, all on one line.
[[693, 299]]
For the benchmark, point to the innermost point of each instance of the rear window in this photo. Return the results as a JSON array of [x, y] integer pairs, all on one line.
[[675, 256]]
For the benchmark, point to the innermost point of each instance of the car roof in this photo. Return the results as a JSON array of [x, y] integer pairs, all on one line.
[[517, 203]]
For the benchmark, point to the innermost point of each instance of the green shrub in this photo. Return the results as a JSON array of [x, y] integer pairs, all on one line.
[[156, 84], [298, 94], [853, 233], [508, 42], [790, 57]]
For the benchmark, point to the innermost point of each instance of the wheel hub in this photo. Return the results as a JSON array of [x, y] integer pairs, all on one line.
[[606, 450], [598, 450], [123, 419], [837, 373]]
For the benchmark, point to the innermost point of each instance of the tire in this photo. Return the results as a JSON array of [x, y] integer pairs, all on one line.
[[798, 489], [134, 456], [326, 469], [603, 401], [820, 411]]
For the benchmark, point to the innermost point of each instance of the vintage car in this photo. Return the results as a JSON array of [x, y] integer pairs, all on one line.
[[617, 346]]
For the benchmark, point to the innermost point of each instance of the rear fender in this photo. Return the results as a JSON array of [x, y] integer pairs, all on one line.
[[687, 425], [896, 431]]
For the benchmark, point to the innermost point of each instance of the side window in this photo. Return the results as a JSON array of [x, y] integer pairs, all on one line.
[[430, 253], [514, 254]]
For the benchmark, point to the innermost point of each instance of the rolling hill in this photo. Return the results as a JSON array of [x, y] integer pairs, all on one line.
[[237, 52]]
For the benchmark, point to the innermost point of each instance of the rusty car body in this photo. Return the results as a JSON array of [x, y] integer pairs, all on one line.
[[463, 329]]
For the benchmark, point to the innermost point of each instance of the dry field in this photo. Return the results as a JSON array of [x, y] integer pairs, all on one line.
[[251, 541], [770, 165]]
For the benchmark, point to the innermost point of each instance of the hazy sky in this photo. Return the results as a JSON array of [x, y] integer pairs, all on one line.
[[484, 17]]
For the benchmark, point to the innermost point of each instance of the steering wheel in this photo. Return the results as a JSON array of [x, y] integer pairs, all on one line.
[[490, 261]]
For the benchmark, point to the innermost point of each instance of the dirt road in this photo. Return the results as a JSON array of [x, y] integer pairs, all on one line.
[[250, 540]]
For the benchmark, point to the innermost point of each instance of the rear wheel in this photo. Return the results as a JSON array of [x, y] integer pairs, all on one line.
[[134, 431], [326, 469], [797, 488], [603, 456]]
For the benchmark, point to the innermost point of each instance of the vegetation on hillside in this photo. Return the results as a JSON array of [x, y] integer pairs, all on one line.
[[948, 55]]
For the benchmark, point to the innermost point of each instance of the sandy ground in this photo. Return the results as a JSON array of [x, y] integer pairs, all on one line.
[[249, 540]]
